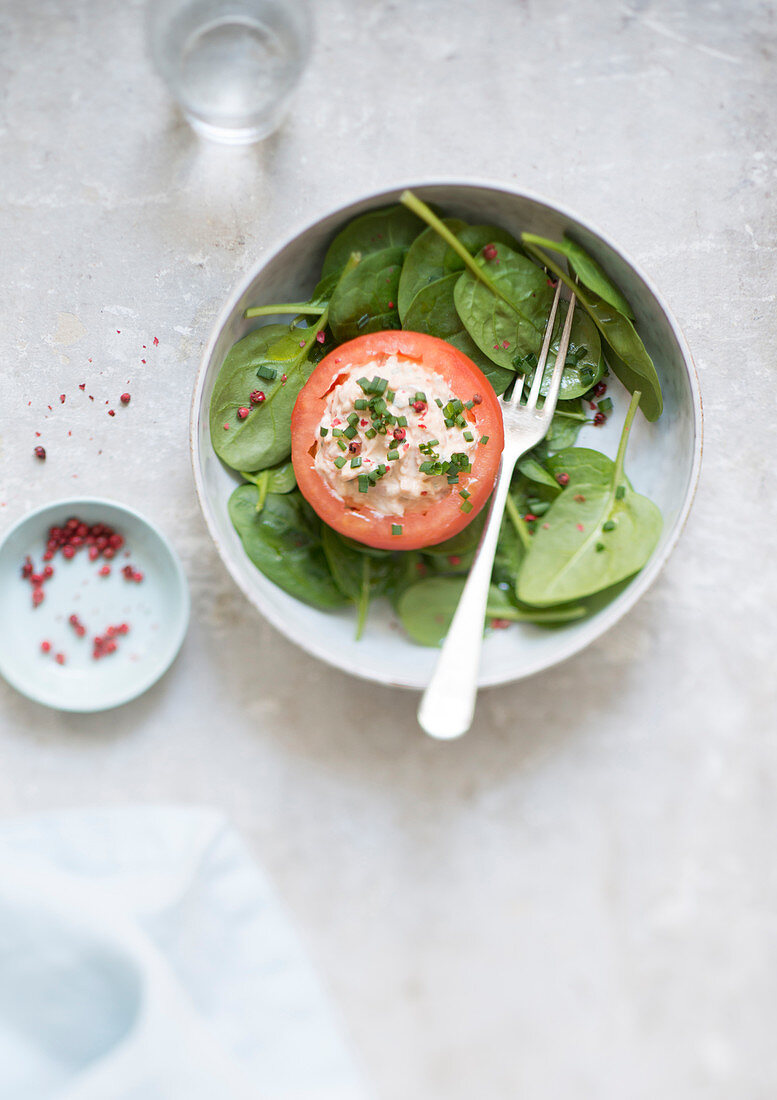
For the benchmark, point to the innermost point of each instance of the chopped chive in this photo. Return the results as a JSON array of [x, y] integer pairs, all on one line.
[[381, 470], [453, 479], [324, 433], [353, 418], [360, 403], [337, 432], [620, 492], [268, 373], [610, 525], [448, 422], [396, 528], [342, 445], [432, 442], [364, 383], [599, 547], [483, 440], [364, 483], [379, 385], [370, 433], [605, 405], [390, 395], [402, 421], [465, 493], [356, 462], [420, 396], [426, 468], [392, 456], [466, 506], [350, 432], [469, 437], [439, 402], [340, 462]]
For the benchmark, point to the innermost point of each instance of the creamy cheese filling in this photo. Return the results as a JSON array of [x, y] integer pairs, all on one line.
[[393, 438]]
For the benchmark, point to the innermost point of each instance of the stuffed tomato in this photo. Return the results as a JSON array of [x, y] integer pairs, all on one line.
[[396, 440]]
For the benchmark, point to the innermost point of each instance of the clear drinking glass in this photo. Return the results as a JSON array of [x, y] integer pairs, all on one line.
[[232, 65]]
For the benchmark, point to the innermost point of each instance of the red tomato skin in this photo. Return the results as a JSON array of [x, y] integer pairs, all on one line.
[[444, 518]]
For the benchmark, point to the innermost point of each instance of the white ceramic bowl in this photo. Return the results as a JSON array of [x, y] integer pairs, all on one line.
[[157, 610], [663, 459]]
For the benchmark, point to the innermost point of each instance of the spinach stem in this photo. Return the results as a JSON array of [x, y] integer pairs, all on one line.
[[518, 522], [353, 260], [412, 202], [312, 308], [621, 455], [541, 242], [558, 272], [515, 615], [364, 597]]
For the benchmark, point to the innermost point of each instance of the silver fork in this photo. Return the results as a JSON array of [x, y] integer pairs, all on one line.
[[448, 704]]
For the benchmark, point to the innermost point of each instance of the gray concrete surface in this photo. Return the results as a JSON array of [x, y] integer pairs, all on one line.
[[580, 898]]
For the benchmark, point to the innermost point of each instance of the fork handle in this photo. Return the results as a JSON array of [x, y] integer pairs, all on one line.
[[448, 704]]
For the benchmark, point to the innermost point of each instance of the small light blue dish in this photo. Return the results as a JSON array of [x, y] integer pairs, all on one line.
[[156, 610]]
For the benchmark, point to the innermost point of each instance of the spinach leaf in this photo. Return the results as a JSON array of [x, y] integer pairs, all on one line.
[[365, 298], [359, 576], [426, 609], [631, 362], [389, 227], [598, 531], [467, 539], [433, 311], [283, 541], [584, 365], [430, 257], [588, 270], [425, 264], [263, 437], [452, 565], [565, 426], [509, 554], [532, 469], [276, 479], [410, 566], [513, 323]]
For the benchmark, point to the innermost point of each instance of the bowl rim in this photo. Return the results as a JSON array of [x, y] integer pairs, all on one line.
[[183, 601], [608, 616]]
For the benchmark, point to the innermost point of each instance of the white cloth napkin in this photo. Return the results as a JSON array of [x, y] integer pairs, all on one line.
[[143, 956]]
